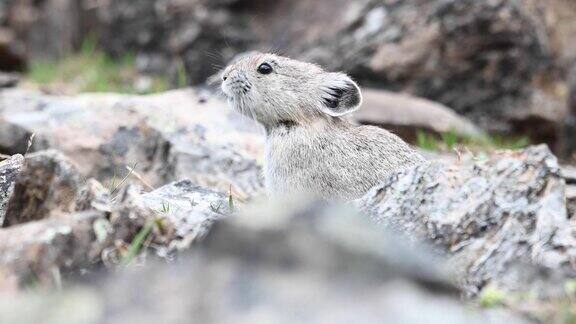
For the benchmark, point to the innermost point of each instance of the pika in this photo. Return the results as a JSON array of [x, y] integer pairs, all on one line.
[[310, 148]]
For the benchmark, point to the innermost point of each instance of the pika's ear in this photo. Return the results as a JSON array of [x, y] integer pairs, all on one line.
[[339, 94]]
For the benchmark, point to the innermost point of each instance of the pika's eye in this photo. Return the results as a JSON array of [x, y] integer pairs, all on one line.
[[265, 68]]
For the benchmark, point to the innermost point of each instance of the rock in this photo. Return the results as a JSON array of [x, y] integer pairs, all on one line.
[[48, 184], [405, 115], [561, 25], [8, 80], [569, 129], [541, 119], [571, 200], [46, 29], [285, 25], [49, 212], [277, 266], [568, 172], [40, 252], [12, 53], [477, 57], [9, 171], [165, 137], [59, 225], [190, 209], [196, 35], [503, 222], [57, 29]]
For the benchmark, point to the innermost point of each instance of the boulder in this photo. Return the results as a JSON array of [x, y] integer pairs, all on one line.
[[12, 52], [47, 184], [175, 37], [8, 80], [561, 25], [58, 225], [158, 139], [191, 210], [41, 252], [45, 29], [477, 57], [406, 115], [10, 169], [568, 172], [569, 130], [298, 263], [503, 222], [571, 200]]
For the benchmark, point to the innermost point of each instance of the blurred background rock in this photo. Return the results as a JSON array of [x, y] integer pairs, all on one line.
[[501, 63]]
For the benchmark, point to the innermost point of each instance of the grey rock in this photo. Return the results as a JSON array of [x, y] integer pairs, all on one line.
[[8, 80], [568, 172], [569, 129], [48, 184], [197, 35], [10, 169], [41, 252], [571, 200], [166, 137], [295, 264], [68, 226], [405, 115], [12, 52], [561, 24], [190, 209], [57, 29], [45, 29], [477, 57], [503, 222]]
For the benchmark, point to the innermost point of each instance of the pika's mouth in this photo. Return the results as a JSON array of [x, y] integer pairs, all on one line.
[[234, 88], [226, 90]]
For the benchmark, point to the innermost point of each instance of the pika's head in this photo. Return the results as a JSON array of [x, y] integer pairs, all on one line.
[[273, 89]]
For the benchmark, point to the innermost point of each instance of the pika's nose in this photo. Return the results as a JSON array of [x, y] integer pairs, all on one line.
[[226, 73]]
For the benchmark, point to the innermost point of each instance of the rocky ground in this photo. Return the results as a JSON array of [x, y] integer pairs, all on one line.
[[97, 182], [119, 208]]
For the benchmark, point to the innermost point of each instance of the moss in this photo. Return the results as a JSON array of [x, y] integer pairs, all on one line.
[[91, 70], [450, 141], [491, 297]]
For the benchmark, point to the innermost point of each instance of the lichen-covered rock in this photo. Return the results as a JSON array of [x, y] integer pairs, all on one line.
[[9, 171], [276, 265], [503, 222], [190, 209]]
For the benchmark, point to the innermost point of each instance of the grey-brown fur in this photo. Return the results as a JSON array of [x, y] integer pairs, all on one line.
[[310, 148]]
